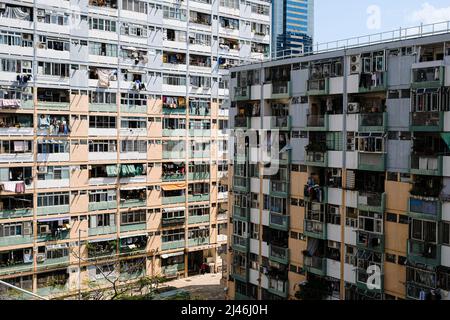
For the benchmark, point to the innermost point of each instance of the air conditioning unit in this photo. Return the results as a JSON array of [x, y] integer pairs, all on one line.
[[42, 169], [40, 13], [333, 244], [40, 257], [27, 36], [355, 64], [353, 107], [26, 64], [2, 5], [44, 229], [333, 210]]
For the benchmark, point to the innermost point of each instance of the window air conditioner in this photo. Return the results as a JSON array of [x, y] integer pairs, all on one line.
[[41, 13], [44, 229], [2, 5], [353, 107], [40, 257], [333, 210], [42, 169]]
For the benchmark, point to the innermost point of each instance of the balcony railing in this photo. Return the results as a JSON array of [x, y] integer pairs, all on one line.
[[279, 221], [314, 158], [316, 265], [319, 86], [242, 93], [280, 123], [424, 253], [427, 121], [240, 243], [279, 254], [279, 188], [172, 245], [428, 77], [315, 229], [278, 287], [240, 272], [317, 122], [369, 161], [242, 214], [369, 240], [369, 122], [167, 222], [242, 122], [425, 208], [281, 90], [371, 201], [426, 165]]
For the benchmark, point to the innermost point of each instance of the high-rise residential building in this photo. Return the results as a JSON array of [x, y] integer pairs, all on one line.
[[354, 203], [113, 120], [292, 27]]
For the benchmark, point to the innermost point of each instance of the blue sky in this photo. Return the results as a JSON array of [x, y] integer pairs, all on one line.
[[341, 19]]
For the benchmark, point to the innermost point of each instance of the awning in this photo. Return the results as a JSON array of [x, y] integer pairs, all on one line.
[[53, 219], [446, 137], [101, 240], [132, 188], [176, 186], [134, 235], [174, 209], [175, 254]]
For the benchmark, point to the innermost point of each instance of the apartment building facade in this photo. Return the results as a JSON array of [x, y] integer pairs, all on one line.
[[113, 136], [358, 206]]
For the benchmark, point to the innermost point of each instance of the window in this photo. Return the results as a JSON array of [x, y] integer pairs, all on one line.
[[403, 219], [446, 233], [139, 146], [53, 199], [54, 173], [102, 97], [370, 221], [102, 24], [46, 146], [133, 217], [103, 122], [424, 231], [135, 5], [103, 49], [391, 258], [391, 217], [102, 146], [173, 235], [174, 13], [16, 229], [104, 195]]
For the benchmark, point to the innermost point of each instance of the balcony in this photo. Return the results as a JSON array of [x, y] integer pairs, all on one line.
[[319, 87], [198, 176], [241, 214], [315, 265], [372, 201], [281, 123], [242, 122], [316, 158], [279, 189], [240, 272], [371, 161], [198, 197], [54, 236], [103, 205], [132, 203], [15, 268], [424, 253], [240, 243], [373, 82], [372, 122], [281, 90], [425, 208], [432, 121], [53, 210], [173, 200], [279, 221], [279, 254], [428, 75], [172, 245], [15, 213], [369, 241], [174, 154], [173, 221], [198, 242], [168, 177], [198, 219], [133, 227], [102, 107], [173, 111], [171, 271], [317, 122], [426, 165], [315, 229], [53, 263], [242, 93], [15, 240], [102, 230], [241, 184], [278, 287]]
